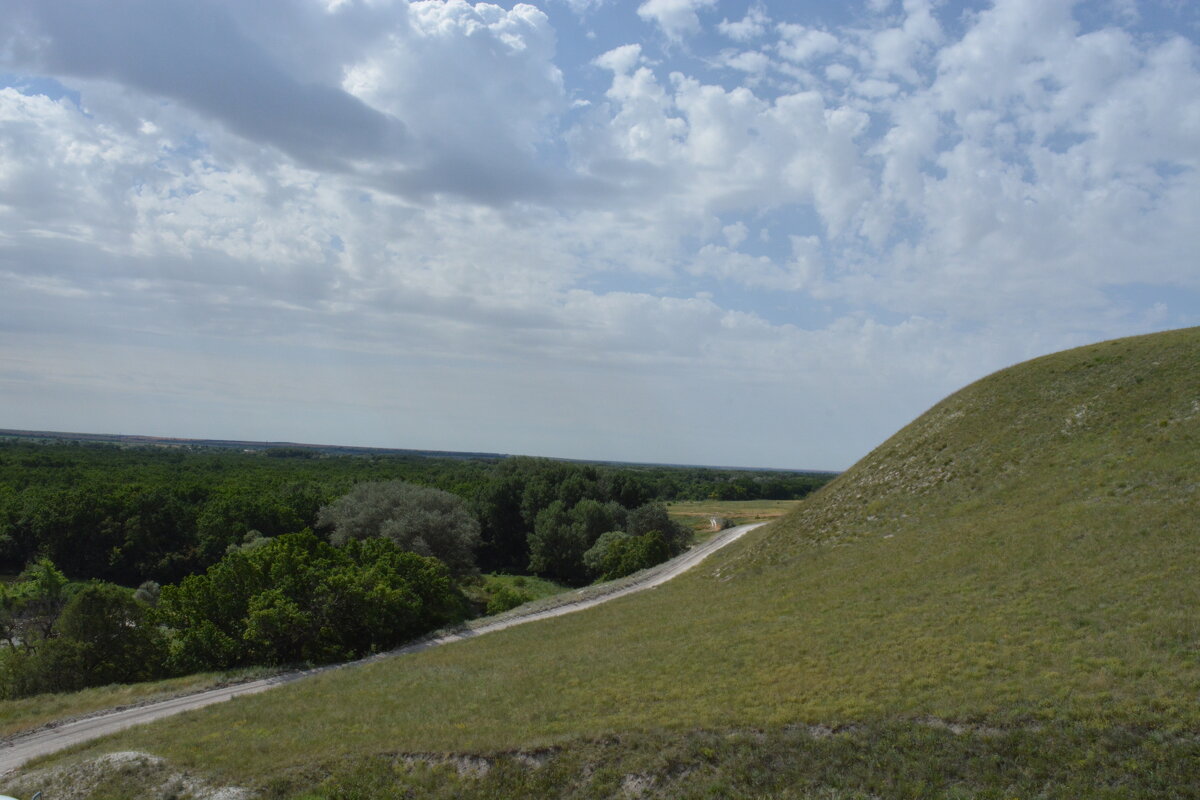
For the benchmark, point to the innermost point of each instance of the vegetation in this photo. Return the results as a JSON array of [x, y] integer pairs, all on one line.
[[1000, 600], [859, 763], [226, 539], [418, 519], [132, 514], [300, 600], [293, 599], [496, 593], [699, 514], [32, 712]]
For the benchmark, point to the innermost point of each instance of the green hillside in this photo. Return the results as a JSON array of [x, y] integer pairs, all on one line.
[[1001, 600]]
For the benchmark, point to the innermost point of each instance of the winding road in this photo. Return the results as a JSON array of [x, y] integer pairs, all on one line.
[[20, 748]]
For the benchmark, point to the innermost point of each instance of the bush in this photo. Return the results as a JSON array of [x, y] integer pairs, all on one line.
[[505, 599]]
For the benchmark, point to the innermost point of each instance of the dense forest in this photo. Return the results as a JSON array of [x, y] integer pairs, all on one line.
[[136, 562], [131, 514]]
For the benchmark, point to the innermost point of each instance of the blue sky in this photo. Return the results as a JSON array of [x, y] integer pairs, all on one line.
[[697, 231]]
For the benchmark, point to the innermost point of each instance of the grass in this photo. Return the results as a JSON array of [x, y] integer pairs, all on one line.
[[1021, 559], [33, 712], [893, 761], [698, 514]]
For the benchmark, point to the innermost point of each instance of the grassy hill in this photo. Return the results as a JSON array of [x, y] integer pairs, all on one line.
[[1001, 600]]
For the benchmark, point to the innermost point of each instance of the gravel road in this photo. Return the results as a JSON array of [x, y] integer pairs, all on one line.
[[18, 749]]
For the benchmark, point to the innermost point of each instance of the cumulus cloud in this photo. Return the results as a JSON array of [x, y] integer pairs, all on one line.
[[750, 27], [676, 18], [800, 44]]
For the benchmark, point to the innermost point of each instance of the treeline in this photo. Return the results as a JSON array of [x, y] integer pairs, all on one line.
[[127, 515]]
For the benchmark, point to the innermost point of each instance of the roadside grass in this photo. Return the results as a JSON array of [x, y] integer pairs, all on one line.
[[1020, 560], [29, 713]]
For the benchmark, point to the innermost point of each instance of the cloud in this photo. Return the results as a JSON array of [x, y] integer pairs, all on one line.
[[451, 203], [800, 44], [750, 27], [676, 18], [196, 54]]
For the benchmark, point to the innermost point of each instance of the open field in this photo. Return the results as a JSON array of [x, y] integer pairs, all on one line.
[[698, 514], [999, 601]]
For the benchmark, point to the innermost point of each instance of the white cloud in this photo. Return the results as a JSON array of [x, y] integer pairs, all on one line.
[[749, 61], [620, 60], [676, 18], [736, 233], [894, 50], [750, 27], [801, 44], [833, 214]]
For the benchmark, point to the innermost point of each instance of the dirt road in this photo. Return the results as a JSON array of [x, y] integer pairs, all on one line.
[[20, 748]]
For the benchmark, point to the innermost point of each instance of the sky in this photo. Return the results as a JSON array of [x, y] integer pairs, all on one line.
[[757, 233]]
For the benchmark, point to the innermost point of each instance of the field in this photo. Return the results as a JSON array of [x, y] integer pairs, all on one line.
[[1000, 601], [699, 514]]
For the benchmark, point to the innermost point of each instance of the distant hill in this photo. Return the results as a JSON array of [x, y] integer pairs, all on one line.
[[1001, 600]]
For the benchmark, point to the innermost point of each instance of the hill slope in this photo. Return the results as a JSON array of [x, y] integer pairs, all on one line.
[[1010, 578]]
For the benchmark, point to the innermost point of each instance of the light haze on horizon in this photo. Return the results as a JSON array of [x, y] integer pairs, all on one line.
[[737, 232]]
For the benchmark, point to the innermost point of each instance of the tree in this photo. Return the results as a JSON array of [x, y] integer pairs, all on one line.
[[602, 556], [654, 517], [504, 544], [30, 607], [299, 599], [561, 537], [617, 554], [420, 519], [112, 637]]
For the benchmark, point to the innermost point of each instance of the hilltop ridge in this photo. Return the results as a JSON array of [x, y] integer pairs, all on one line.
[[1104, 425]]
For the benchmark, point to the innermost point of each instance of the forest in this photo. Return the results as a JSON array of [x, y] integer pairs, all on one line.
[[127, 563]]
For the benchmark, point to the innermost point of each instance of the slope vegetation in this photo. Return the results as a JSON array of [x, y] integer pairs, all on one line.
[[1009, 581]]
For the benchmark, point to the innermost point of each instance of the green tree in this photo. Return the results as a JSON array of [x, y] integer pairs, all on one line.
[[561, 537], [299, 599], [622, 554], [420, 519], [30, 606], [654, 517], [113, 637]]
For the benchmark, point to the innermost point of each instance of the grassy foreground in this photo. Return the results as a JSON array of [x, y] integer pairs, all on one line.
[[1020, 563]]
